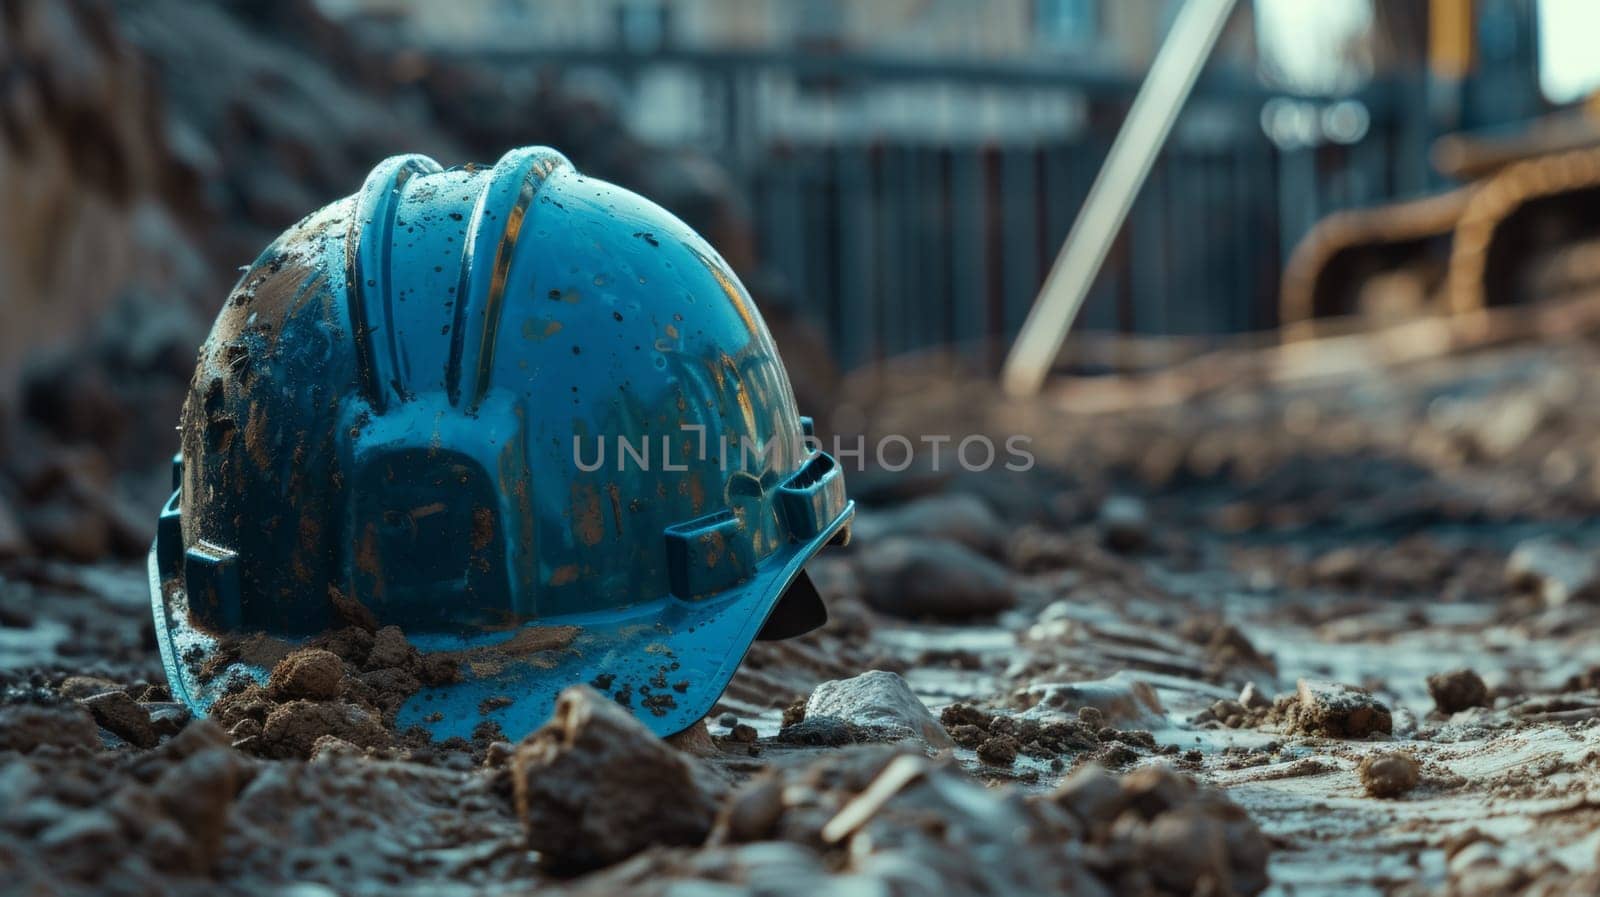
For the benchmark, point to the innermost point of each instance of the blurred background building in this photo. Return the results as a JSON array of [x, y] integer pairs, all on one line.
[[910, 166]]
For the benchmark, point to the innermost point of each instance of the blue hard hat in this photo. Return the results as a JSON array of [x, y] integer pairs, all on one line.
[[527, 416]]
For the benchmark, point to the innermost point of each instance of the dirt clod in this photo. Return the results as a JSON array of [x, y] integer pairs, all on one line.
[[999, 750], [1389, 774], [313, 674], [292, 729], [1334, 710]]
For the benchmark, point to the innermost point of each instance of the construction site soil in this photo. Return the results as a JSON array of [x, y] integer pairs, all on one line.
[[1303, 620]]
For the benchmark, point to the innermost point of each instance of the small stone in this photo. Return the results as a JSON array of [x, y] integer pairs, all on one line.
[[1389, 774], [312, 674], [593, 787], [123, 717], [881, 700], [1458, 690], [743, 734], [727, 721]]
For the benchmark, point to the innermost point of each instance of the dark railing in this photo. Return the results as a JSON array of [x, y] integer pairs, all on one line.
[[894, 241]]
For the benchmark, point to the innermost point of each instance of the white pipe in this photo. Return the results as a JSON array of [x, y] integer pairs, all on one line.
[[1155, 108]]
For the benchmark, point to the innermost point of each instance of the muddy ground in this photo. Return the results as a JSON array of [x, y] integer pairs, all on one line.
[[1248, 627]]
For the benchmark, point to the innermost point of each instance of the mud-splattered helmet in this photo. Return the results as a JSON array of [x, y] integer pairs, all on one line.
[[527, 416]]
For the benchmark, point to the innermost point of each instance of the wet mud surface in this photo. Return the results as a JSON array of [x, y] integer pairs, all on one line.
[[1328, 634]]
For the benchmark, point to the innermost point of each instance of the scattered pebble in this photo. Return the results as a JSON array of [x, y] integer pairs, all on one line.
[[1458, 690], [1389, 774]]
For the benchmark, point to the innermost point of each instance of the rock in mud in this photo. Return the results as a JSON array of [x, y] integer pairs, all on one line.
[[881, 701], [916, 578], [123, 717], [311, 673], [1334, 710], [1458, 690], [1554, 570], [593, 787], [1389, 774]]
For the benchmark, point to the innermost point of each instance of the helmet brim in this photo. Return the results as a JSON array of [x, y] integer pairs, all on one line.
[[668, 660]]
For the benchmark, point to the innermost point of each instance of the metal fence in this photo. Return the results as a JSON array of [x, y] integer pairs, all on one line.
[[895, 238]]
